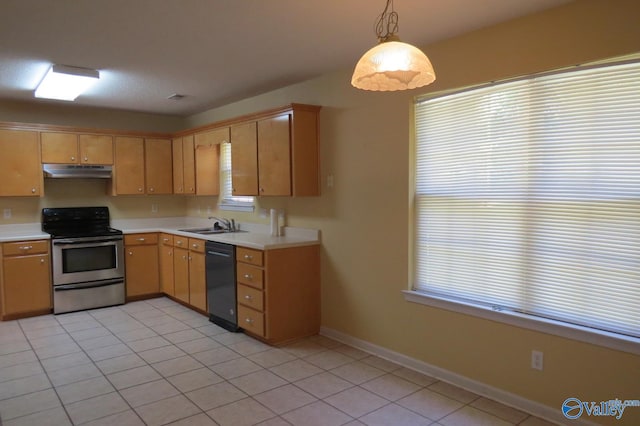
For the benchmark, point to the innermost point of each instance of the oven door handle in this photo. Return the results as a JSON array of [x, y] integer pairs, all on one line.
[[104, 242], [82, 286]]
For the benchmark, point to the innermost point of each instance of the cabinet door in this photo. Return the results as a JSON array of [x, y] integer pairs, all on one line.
[[59, 148], [20, 166], [129, 166], [26, 284], [96, 149], [188, 164], [207, 160], [158, 166], [166, 270], [141, 270], [274, 156], [178, 166], [197, 281], [244, 159], [181, 273]]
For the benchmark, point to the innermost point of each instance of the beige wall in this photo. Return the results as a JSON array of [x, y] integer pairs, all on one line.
[[365, 145], [365, 231]]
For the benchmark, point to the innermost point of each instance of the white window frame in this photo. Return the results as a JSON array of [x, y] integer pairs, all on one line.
[[227, 200], [550, 326]]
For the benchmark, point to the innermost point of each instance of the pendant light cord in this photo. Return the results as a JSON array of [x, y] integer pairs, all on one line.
[[387, 24]]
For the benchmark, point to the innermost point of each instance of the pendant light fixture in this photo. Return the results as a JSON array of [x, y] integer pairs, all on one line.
[[392, 65]]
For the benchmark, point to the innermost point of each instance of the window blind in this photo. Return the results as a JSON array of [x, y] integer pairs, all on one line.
[[227, 200], [527, 197]]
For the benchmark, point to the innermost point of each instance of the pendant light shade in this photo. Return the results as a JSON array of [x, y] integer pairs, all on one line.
[[392, 65]]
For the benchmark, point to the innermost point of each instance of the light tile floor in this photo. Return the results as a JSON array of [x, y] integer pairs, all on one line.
[[156, 362]]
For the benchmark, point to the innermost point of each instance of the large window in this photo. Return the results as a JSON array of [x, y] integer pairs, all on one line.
[[527, 197]]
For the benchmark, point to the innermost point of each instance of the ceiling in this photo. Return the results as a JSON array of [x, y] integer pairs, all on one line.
[[213, 51]]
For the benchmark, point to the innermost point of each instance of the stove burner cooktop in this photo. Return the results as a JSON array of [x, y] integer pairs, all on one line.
[[76, 222]]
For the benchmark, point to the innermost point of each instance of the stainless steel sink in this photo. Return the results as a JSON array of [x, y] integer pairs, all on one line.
[[209, 231]]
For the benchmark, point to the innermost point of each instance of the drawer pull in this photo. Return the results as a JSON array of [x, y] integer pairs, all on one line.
[[179, 242], [247, 297], [141, 240], [130, 253], [26, 248], [248, 257], [195, 246], [86, 159], [41, 260], [165, 240], [248, 321], [248, 276]]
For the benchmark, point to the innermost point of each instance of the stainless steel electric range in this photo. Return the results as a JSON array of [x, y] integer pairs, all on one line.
[[87, 258]]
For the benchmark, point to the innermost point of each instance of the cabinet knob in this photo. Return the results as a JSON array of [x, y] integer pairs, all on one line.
[[130, 253], [195, 246], [261, 189], [86, 159], [248, 257], [170, 253], [247, 297], [139, 189], [73, 158], [248, 276], [184, 257], [41, 260], [191, 189], [248, 321], [180, 189], [25, 248], [33, 190], [151, 189], [179, 242]]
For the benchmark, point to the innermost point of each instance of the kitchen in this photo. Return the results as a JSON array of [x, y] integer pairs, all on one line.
[[359, 128]]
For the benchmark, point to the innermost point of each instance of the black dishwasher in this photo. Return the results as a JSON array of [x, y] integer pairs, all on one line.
[[220, 262]]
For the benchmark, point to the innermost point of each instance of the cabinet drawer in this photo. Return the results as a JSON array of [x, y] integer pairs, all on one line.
[[166, 239], [181, 242], [25, 247], [246, 255], [249, 275], [251, 297], [140, 239], [196, 245], [251, 320]]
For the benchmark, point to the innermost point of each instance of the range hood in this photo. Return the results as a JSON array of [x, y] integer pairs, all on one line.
[[76, 171]]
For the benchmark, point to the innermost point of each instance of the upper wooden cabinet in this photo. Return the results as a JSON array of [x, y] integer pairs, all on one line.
[[72, 148], [207, 160], [278, 154], [142, 166], [158, 166], [184, 175], [20, 167], [244, 159], [128, 173]]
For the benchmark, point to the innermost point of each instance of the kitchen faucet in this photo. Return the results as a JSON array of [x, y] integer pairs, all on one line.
[[228, 224]]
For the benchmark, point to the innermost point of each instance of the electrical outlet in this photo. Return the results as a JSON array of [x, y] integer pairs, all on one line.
[[209, 211], [7, 213], [263, 213], [154, 208], [330, 181], [537, 360]]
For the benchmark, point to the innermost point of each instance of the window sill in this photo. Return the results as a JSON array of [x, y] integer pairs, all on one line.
[[557, 328], [237, 207]]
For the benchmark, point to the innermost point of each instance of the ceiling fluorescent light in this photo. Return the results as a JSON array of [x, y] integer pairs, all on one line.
[[392, 65], [65, 83]]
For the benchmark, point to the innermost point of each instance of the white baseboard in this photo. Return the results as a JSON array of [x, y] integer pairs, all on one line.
[[552, 414]]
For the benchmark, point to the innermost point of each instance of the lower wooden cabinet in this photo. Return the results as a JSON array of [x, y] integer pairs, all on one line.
[[189, 272], [279, 292], [197, 275], [165, 258], [25, 279], [141, 265]]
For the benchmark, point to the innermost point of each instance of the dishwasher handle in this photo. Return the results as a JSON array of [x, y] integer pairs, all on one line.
[[217, 253]]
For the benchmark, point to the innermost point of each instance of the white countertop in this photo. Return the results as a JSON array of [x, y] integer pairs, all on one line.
[[256, 237]]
